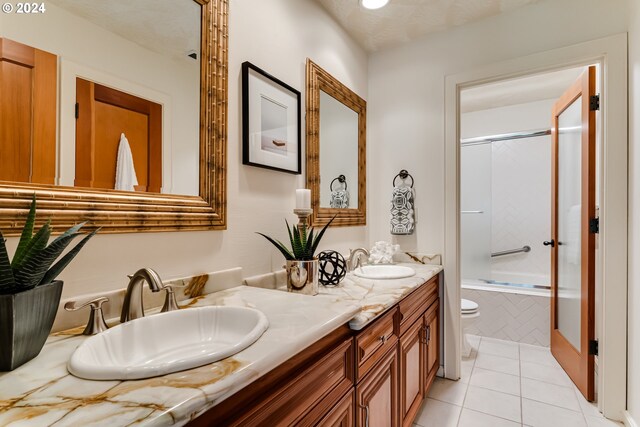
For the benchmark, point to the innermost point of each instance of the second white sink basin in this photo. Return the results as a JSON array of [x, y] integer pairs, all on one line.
[[384, 271], [167, 342]]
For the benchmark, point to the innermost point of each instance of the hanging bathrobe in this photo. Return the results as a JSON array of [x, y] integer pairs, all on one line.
[[126, 178], [402, 211]]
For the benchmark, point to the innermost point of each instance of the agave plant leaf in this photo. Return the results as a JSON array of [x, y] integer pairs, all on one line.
[[281, 247], [7, 282], [27, 234], [289, 228], [57, 268], [297, 243], [314, 247], [35, 245], [34, 268], [69, 232], [308, 248]]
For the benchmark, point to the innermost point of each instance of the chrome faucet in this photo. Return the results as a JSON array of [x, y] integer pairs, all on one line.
[[354, 256], [132, 307]]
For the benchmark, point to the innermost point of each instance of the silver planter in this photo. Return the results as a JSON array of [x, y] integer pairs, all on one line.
[[302, 277], [26, 319]]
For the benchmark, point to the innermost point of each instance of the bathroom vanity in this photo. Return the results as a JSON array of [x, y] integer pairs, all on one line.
[[363, 353]]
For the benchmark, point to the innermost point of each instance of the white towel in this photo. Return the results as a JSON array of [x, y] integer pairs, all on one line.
[[126, 178]]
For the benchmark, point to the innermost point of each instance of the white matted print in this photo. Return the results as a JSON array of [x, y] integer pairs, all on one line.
[[271, 121]]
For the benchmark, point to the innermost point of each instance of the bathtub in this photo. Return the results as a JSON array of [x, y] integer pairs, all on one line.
[[510, 311]]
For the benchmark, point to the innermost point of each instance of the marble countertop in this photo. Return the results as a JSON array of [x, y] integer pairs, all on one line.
[[43, 393]]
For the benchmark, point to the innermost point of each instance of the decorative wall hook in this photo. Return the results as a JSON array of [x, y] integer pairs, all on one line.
[[403, 174]]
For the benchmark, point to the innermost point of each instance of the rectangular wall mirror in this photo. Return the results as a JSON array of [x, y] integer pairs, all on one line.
[[115, 112], [336, 149]]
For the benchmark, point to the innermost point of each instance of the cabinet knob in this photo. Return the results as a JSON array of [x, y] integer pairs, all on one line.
[[382, 338]]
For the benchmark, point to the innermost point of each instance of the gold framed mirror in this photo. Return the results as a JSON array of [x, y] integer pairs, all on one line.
[[150, 206], [336, 150]]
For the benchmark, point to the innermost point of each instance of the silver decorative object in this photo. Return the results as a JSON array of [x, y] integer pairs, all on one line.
[[302, 276]]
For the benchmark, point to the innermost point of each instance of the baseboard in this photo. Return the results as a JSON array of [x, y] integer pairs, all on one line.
[[628, 421]]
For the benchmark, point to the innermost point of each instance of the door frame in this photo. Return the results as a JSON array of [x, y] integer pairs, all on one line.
[[611, 262]]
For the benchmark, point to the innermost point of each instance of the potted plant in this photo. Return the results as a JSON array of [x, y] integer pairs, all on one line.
[[29, 293], [302, 265]]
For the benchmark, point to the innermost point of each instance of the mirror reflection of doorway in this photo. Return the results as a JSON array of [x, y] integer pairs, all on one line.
[[103, 115]]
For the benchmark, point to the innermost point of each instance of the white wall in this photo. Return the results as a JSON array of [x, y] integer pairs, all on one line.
[[104, 57], [520, 188], [277, 36], [406, 97], [633, 386]]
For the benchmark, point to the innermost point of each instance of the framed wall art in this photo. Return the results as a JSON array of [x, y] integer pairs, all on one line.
[[270, 122]]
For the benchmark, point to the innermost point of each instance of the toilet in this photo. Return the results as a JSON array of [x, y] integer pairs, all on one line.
[[469, 313]]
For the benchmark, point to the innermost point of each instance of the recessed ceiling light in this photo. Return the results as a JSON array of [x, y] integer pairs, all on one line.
[[373, 4]]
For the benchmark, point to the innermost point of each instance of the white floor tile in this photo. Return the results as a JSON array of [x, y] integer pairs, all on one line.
[[491, 402], [537, 354], [498, 363], [601, 422], [435, 413], [502, 348], [448, 391], [474, 340], [466, 367], [552, 394], [549, 374], [537, 414], [496, 381], [588, 408], [471, 418]]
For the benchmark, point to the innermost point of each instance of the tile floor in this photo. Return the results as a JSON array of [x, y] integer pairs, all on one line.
[[506, 384]]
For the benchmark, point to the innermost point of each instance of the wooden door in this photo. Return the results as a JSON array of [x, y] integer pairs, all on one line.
[[342, 415], [28, 102], [431, 341], [377, 394], [103, 114], [572, 243], [411, 353]]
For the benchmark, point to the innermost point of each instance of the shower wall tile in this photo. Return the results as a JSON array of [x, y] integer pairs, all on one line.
[[513, 317]]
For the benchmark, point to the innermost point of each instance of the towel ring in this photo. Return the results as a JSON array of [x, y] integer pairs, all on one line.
[[403, 175], [342, 179]]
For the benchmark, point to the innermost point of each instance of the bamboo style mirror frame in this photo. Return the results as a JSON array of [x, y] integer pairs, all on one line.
[[125, 212], [319, 81]]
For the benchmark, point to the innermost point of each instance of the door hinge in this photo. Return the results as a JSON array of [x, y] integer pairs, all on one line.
[[594, 225], [77, 110], [593, 347], [594, 103]]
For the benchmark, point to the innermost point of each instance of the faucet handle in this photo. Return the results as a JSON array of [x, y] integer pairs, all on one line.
[[170, 303], [96, 322]]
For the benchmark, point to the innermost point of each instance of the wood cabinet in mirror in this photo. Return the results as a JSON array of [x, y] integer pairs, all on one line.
[[145, 210], [320, 161]]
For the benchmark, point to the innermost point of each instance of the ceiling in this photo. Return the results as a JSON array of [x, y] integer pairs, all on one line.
[[518, 91], [167, 27], [406, 20]]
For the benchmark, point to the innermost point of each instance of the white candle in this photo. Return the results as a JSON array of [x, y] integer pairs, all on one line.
[[303, 198]]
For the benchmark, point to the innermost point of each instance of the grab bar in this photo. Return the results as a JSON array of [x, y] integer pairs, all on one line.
[[472, 212], [511, 251]]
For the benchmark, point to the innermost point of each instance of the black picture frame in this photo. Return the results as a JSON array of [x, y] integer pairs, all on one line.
[[247, 158]]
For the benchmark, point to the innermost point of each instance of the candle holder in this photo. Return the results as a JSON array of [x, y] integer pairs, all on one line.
[[303, 217]]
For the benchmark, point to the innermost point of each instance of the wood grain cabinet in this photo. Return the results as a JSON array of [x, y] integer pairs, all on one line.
[[376, 377]]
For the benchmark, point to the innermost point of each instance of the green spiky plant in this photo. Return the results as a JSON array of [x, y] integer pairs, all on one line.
[[303, 242], [32, 263]]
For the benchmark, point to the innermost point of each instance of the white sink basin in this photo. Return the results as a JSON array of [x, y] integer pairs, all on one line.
[[167, 342], [384, 271]]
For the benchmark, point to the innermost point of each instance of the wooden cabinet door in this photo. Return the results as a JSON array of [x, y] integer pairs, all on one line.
[[431, 341], [28, 85], [411, 373], [377, 394], [342, 415]]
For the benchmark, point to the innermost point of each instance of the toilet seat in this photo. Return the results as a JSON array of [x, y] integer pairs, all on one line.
[[468, 306]]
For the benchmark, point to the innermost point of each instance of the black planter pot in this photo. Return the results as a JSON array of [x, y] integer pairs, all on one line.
[[26, 319]]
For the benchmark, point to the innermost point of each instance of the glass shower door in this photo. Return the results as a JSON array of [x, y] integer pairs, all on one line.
[[572, 244]]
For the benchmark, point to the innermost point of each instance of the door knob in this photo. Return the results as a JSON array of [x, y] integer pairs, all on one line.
[[551, 243]]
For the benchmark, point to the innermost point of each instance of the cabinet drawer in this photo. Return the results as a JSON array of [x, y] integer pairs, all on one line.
[[312, 390], [413, 306], [374, 342]]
